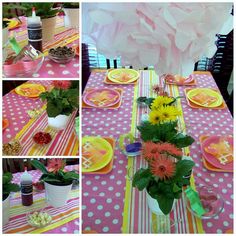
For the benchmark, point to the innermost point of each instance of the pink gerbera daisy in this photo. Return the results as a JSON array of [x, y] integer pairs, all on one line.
[[163, 167], [61, 84], [56, 164]]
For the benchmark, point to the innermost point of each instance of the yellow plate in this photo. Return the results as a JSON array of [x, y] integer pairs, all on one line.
[[207, 91], [116, 74], [13, 24], [96, 152], [30, 90]]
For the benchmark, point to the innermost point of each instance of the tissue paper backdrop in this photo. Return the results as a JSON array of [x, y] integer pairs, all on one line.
[[169, 36]]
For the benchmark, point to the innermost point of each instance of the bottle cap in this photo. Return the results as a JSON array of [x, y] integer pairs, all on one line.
[[33, 19]]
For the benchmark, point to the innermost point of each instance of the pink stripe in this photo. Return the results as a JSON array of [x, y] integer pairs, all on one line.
[[56, 140], [66, 135], [20, 220], [63, 139], [28, 138]]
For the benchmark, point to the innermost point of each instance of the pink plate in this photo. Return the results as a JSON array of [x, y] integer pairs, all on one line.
[[103, 97], [210, 158]]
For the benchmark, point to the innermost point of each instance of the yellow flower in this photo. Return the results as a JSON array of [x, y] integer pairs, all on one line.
[[154, 117], [168, 112], [163, 113], [160, 101]]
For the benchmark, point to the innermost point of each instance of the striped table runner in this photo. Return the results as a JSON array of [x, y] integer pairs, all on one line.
[[65, 142], [137, 217], [18, 222]]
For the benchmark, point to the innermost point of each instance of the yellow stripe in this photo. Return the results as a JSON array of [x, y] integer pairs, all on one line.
[[55, 225], [125, 225], [187, 151], [26, 127], [76, 148]]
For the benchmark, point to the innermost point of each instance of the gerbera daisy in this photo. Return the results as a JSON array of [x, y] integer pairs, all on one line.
[[168, 112], [150, 151], [169, 148], [160, 101], [56, 164], [163, 167], [155, 117], [61, 84]]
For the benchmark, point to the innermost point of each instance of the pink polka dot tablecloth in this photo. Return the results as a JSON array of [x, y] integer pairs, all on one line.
[[63, 37], [14, 108], [104, 195], [18, 222]]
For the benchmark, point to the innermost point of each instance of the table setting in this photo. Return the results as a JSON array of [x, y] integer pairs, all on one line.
[[115, 174], [45, 213], [34, 124], [173, 131]]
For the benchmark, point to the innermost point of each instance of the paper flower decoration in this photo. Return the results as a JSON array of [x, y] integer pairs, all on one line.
[[169, 36]]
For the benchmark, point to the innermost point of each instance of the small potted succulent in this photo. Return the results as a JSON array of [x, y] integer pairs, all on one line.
[[47, 14], [71, 10], [7, 188], [167, 170], [57, 181], [62, 100]]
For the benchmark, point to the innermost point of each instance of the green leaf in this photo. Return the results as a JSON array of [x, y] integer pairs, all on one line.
[[141, 179], [181, 140], [40, 166], [183, 167], [7, 178], [53, 109], [162, 132], [176, 188], [65, 102], [71, 175], [50, 179], [8, 188], [165, 203]]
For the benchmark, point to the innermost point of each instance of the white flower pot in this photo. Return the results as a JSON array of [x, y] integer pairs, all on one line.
[[48, 28], [59, 122], [6, 210], [57, 196], [71, 18], [4, 41], [154, 206]]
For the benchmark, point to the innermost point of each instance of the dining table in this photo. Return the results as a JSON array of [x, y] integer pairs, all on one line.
[[64, 36], [109, 202], [65, 219], [22, 125]]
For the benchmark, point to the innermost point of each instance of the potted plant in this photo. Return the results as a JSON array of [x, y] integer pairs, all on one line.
[[47, 14], [71, 10], [167, 167], [7, 188], [62, 100], [57, 181]]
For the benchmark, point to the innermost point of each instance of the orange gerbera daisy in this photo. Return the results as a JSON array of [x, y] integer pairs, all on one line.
[[150, 151], [56, 164], [154, 150], [163, 167], [169, 148]]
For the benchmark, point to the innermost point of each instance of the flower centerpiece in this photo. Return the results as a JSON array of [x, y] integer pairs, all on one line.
[[164, 176], [57, 181], [7, 188], [62, 100]]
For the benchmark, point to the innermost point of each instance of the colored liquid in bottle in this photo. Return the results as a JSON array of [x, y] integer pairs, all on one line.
[[35, 36]]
